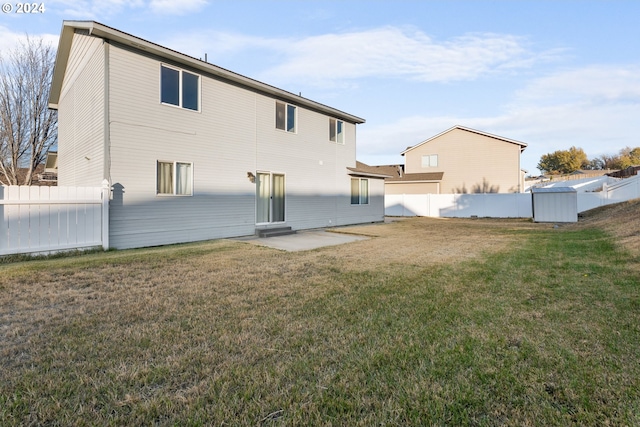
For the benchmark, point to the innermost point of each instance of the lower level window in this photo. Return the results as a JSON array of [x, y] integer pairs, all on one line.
[[359, 191], [175, 178]]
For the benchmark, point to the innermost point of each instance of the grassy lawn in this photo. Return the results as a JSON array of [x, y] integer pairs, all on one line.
[[429, 322]]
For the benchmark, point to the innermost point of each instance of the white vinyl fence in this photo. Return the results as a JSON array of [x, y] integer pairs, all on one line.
[[499, 205], [459, 205], [49, 219]]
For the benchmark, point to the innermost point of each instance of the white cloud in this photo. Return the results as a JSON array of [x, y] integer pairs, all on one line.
[[387, 52], [394, 52], [173, 7], [99, 9], [10, 40], [596, 83], [219, 44], [93, 9]]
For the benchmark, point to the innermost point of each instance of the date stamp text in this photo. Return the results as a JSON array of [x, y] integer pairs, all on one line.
[[23, 8]]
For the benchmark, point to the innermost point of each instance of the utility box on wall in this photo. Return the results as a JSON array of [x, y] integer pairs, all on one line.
[[556, 204]]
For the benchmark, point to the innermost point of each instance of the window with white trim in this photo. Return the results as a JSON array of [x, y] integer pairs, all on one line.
[[359, 191], [336, 131], [180, 88], [285, 116], [430, 161], [174, 178]]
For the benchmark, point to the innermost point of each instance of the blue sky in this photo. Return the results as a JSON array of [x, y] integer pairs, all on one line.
[[552, 74]]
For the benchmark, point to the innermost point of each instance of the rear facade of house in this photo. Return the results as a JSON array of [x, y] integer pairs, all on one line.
[[196, 152]]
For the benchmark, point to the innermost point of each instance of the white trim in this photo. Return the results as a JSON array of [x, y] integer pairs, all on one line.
[[271, 174], [344, 140], [180, 89], [512, 141], [286, 116], [175, 177], [97, 29], [360, 192]]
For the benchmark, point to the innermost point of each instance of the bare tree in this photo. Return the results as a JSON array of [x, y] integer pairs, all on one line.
[[28, 128]]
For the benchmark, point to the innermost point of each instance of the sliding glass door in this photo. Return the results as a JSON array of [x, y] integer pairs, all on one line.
[[270, 197]]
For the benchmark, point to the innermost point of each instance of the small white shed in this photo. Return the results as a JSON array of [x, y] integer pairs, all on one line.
[[556, 204]]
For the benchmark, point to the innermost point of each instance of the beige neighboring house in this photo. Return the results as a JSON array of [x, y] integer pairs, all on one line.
[[458, 160]]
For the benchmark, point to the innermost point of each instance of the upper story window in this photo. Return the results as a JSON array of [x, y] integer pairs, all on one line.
[[285, 116], [336, 131], [430, 161], [180, 88]]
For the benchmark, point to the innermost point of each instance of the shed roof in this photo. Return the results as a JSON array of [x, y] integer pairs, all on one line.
[[554, 190], [103, 31], [395, 174], [511, 141]]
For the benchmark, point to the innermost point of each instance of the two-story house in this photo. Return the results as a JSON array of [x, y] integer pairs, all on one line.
[[458, 160], [194, 151]]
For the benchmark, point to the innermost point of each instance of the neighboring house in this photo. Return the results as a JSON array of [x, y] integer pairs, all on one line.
[[459, 160], [44, 175], [194, 151]]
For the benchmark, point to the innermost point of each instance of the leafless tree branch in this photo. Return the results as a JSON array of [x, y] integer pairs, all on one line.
[[28, 128]]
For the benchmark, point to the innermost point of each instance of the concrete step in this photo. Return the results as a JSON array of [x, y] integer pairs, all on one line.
[[272, 232]]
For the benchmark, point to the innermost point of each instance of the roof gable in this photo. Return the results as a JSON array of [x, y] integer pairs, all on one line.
[[466, 129], [105, 32]]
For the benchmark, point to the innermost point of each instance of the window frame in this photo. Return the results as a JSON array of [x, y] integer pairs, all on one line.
[[430, 163], [181, 73], [174, 178], [287, 107], [335, 136], [363, 199]]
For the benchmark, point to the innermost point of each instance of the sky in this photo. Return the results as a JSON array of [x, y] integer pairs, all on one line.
[[551, 74]]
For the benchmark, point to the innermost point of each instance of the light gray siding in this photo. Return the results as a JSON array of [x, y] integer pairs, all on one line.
[[81, 115], [219, 141], [232, 135]]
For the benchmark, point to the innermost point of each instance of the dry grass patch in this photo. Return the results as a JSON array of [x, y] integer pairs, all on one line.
[[622, 220], [458, 322], [428, 241]]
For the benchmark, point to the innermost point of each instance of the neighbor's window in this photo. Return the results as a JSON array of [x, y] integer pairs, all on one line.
[[359, 191], [285, 116], [175, 178], [179, 88], [430, 161], [336, 131]]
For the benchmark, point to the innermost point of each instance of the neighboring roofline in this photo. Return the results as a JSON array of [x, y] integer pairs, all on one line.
[[417, 177], [367, 174], [362, 169], [105, 32], [512, 141], [397, 181]]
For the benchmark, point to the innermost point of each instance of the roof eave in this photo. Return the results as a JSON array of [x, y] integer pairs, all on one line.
[[522, 145], [368, 174], [105, 32]]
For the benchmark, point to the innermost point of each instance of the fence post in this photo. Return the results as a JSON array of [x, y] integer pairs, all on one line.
[[106, 195]]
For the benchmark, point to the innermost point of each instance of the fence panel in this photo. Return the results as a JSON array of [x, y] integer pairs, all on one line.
[[45, 219], [626, 189], [459, 205], [517, 205]]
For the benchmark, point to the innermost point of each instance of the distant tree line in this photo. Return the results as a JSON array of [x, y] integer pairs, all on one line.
[[573, 159]]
